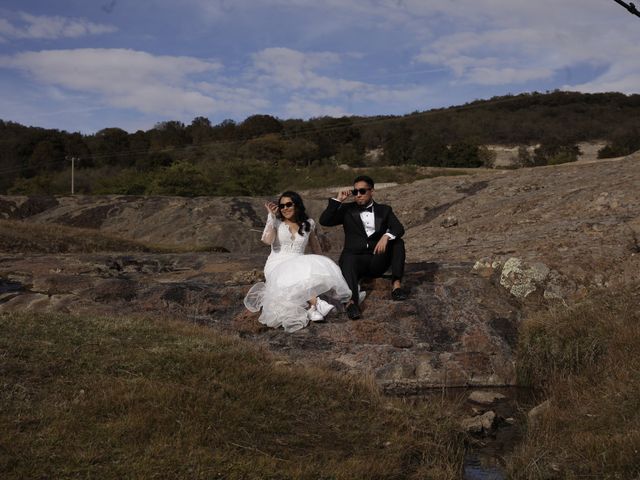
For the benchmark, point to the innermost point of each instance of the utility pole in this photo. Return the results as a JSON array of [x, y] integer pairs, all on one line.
[[73, 164]]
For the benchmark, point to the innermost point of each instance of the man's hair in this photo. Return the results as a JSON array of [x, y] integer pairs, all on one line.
[[364, 178]]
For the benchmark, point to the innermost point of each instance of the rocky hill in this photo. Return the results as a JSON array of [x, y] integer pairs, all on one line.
[[483, 249]]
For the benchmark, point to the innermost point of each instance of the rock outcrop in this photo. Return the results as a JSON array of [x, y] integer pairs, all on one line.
[[483, 249], [456, 329]]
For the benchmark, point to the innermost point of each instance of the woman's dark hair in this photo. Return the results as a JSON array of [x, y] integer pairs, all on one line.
[[364, 178], [300, 217]]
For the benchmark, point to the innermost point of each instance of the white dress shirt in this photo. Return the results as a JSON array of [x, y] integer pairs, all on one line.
[[369, 221]]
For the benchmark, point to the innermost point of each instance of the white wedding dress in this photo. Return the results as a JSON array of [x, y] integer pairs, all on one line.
[[292, 278]]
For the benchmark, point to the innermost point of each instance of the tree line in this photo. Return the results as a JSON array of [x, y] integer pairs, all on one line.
[[256, 155]]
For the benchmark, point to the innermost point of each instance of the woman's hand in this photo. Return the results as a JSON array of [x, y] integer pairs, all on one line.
[[269, 233], [271, 208]]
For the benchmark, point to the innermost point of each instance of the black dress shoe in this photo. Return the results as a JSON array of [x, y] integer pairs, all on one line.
[[399, 294], [353, 311]]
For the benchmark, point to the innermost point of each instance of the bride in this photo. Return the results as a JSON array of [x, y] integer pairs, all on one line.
[[289, 297]]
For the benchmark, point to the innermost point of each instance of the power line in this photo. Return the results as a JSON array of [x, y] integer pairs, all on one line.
[[630, 7], [311, 129]]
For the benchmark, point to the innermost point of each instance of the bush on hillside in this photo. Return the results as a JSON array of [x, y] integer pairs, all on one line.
[[524, 158], [464, 155], [153, 161], [621, 145], [181, 179], [250, 178], [554, 151], [38, 185]]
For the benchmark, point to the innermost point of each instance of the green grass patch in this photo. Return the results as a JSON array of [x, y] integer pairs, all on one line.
[[586, 361], [86, 397]]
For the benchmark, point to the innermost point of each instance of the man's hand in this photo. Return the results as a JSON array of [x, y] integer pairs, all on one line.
[[343, 195], [381, 246]]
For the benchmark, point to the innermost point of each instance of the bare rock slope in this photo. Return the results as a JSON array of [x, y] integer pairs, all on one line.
[[484, 249]]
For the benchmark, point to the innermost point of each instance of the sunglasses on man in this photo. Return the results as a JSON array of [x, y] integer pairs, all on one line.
[[361, 191], [282, 206]]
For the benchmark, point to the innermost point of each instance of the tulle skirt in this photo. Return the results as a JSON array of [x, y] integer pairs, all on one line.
[[290, 282]]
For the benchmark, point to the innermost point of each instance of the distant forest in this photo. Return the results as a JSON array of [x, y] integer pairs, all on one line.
[[262, 154]]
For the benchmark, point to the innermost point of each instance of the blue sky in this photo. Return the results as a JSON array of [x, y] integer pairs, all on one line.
[[84, 65]]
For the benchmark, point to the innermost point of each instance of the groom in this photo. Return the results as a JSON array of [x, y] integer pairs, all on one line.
[[372, 240]]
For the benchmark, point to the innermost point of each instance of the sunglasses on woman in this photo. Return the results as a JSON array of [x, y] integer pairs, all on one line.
[[282, 206], [361, 191]]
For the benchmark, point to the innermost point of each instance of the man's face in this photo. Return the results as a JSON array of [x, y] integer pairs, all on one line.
[[363, 199]]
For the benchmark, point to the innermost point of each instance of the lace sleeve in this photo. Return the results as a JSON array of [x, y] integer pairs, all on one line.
[[314, 243], [270, 229]]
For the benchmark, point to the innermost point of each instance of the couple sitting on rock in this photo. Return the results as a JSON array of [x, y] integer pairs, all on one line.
[[289, 297]]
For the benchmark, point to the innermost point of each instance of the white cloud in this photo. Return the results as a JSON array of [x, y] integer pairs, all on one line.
[[241, 101], [291, 69], [206, 10], [51, 27], [420, 15], [410, 97], [504, 56], [295, 74], [124, 78], [7, 30], [481, 42], [621, 77], [301, 107], [458, 47]]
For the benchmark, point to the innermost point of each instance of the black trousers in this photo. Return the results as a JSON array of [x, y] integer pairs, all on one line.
[[355, 266]]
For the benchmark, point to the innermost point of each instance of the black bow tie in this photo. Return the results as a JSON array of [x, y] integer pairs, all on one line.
[[367, 209]]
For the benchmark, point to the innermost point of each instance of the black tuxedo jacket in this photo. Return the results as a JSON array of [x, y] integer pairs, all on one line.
[[355, 236]]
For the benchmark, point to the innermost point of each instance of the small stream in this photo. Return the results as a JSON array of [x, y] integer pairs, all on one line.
[[7, 286], [486, 453], [485, 458]]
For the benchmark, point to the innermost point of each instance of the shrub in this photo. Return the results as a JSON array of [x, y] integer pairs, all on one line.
[[153, 161], [463, 154], [524, 159], [126, 182], [181, 178], [554, 152], [621, 145], [252, 178]]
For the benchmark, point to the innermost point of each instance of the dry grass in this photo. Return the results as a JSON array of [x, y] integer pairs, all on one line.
[[27, 237], [587, 362], [125, 398]]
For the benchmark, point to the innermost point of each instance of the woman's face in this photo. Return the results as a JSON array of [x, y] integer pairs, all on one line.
[[287, 208]]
